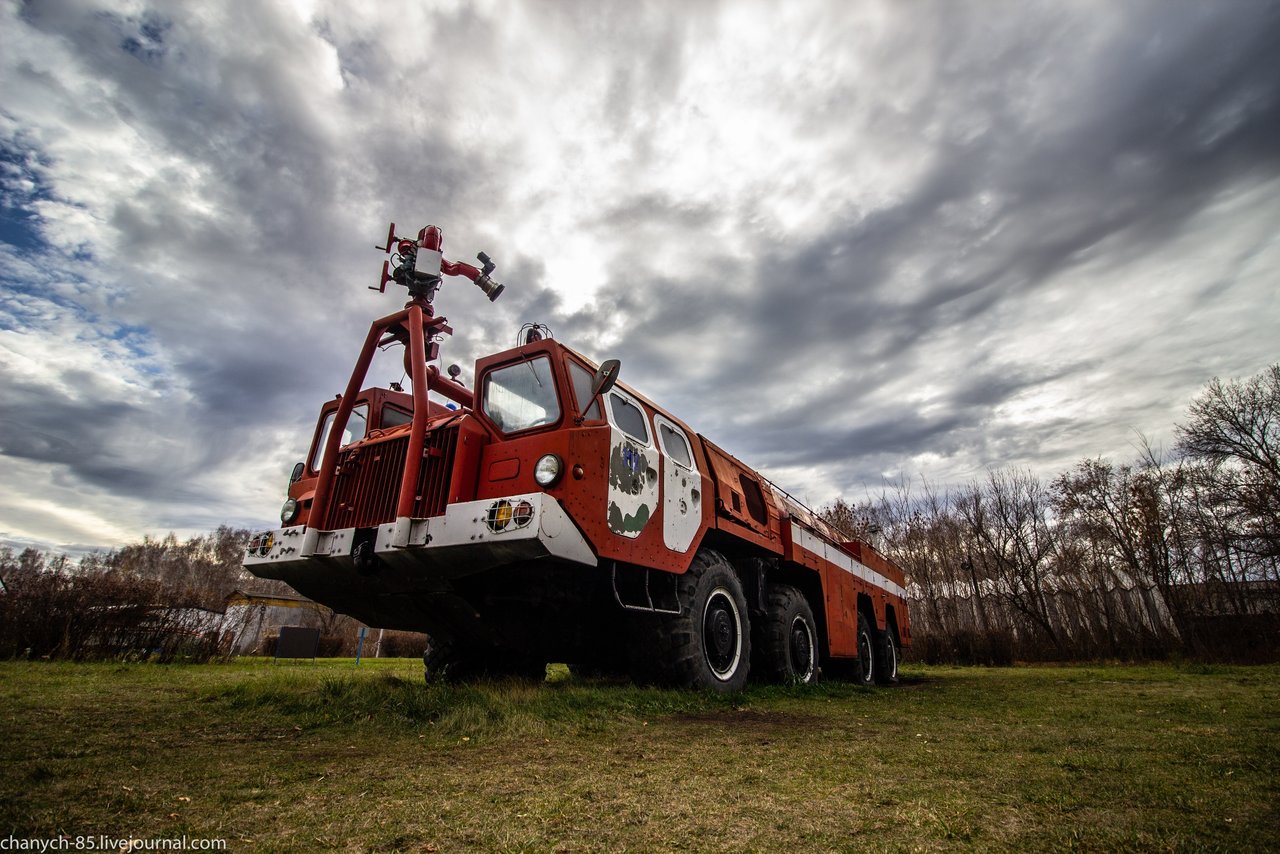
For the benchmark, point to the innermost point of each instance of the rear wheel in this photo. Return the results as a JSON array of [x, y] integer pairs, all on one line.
[[887, 656], [708, 644], [865, 670], [788, 638]]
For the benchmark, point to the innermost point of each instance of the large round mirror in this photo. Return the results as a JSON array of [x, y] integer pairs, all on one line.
[[606, 376]]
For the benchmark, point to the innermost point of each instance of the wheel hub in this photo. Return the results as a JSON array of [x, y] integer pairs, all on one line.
[[801, 649], [722, 634]]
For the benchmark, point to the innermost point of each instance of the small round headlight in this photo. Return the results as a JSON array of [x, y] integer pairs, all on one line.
[[547, 471], [289, 511]]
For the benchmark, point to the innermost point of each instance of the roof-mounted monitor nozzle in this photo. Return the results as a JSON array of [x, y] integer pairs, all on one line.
[[419, 265]]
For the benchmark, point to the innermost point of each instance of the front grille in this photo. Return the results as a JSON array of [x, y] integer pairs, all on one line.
[[366, 485], [433, 477]]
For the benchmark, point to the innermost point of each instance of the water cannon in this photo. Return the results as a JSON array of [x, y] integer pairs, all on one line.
[[491, 288], [419, 264]]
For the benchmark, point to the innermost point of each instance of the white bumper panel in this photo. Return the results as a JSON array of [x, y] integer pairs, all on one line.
[[282, 545], [460, 542], [463, 538]]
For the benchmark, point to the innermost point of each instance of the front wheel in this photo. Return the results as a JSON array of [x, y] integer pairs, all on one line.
[[442, 663], [445, 663], [708, 644]]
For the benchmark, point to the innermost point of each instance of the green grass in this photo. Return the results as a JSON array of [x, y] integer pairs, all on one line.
[[334, 756]]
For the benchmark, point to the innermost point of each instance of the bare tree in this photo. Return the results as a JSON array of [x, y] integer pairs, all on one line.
[[1234, 426], [1123, 521], [202, 570], [1008, 520]]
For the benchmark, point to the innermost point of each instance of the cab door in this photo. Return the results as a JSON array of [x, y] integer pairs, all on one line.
[[634, 487], [681, 487]]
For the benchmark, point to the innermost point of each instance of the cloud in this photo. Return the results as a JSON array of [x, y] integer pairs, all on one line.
[[845, 242]]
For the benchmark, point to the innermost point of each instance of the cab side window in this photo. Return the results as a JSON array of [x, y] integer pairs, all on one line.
[[357, 426], [394, 416], [675, 446], [629, 417], [582, 378]]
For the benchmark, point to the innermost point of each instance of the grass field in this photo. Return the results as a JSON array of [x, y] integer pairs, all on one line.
[[334, 756]]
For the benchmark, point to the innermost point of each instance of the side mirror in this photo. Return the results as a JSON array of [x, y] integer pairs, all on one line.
[[606, 376], [298, 469]]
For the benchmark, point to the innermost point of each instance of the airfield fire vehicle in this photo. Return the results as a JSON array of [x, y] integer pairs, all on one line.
[[556, 514]]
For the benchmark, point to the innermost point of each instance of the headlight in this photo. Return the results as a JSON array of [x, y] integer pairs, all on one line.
[[499, 515], [547, 471], [289, 511]]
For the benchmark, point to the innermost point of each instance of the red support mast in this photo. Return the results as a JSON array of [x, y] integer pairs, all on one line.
[[418, 265]]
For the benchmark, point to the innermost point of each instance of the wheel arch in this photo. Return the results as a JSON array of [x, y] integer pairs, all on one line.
[[752, 564], [891, 623], [868, 607]]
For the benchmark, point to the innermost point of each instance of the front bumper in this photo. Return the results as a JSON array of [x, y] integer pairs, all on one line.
[[461, 542]]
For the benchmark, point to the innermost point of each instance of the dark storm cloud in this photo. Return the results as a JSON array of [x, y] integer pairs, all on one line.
[[253, 158], [1175, 110], [235, 291], [47, 429]]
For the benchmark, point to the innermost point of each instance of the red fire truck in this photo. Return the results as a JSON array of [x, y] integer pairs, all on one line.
[[556, 514]]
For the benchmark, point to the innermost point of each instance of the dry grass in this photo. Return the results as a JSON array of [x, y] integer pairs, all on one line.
[[337, 757]]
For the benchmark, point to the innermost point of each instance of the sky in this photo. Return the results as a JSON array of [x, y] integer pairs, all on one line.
[[853, 243]]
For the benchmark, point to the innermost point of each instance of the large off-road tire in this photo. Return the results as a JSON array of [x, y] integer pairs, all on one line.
[[886, 656], [442, 663], [708, 644], [865, 670], [787, 639]]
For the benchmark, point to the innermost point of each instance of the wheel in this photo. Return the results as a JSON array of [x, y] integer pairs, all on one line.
[[886, 657], [787, 647], [865, 672], [441, 663], [708, 644]]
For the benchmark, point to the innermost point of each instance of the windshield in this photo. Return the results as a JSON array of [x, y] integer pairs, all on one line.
[[521, 396], [357, 426]]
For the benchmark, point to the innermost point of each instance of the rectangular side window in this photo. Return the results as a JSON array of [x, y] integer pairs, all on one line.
[[357, 426], [582, 391], [675, 446], [629, 418], [393, 417]]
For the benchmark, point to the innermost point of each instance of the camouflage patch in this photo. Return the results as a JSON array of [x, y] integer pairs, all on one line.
[[627, 524], [627, 467]]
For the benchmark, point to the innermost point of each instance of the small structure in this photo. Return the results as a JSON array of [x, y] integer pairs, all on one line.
[[258, 617], [297, 642]]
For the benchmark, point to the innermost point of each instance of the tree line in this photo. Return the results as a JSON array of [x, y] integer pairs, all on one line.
[[147, 599], [1164, 555], [160, 599]]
